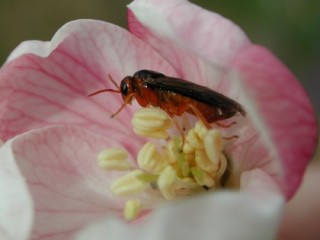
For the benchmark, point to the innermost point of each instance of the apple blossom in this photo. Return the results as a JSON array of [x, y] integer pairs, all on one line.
[[54, 132]]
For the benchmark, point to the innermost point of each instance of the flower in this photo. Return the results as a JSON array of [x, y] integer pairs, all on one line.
[[53, 130]]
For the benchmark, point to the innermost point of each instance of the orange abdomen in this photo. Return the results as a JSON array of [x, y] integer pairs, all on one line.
[[176, 104]]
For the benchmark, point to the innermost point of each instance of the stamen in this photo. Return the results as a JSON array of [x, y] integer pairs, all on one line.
[[223, 166], [204, 162], [193, 139], [185, 183], [132, 209], [213, 145], [170, 152], [181, 167], [150, 160], [129, 184], [113, 159], [166, 182], [151, 122], [201, 130], [188, 148], [202, 178]]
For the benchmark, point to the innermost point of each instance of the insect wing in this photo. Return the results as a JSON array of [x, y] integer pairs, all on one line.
[[194, 91]]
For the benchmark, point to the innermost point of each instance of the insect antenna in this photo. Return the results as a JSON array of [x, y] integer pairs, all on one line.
[[113, 81], [107, 90], [103, 90]]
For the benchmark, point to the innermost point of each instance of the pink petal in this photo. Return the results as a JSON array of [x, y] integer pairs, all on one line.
[[259, 182], [183, 23], [224, 215], [52, 86], [188, 36], [16, 207], [281, 112], [68, 188], [301, 218]]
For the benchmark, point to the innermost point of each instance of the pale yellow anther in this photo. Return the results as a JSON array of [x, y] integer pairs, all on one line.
[[170, 151], [183, 166], [151, 113], [113, 159], [187, 182], [193, 139], [223, 165], [151, 134], [150, 160], [204, 162], [129, 184], [166, 182], [201, 130], [151, 122], [132, 209], [201, 177], [188, 148], [213, 145]]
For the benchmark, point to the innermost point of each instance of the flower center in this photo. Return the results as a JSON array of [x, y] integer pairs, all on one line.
[[176, 167]]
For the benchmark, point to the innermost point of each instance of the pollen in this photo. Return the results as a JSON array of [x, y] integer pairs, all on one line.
[[171, 167]]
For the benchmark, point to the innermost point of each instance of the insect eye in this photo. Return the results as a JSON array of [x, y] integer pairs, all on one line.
[[124, 88]]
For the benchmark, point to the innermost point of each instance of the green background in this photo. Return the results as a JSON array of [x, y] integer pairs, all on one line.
[[290, 28]]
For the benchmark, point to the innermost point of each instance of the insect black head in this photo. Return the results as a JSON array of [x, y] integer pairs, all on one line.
[[127, 87], [124, 88]]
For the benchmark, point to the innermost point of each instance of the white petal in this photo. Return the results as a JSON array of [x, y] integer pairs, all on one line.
[[226, 215], [16, 206]]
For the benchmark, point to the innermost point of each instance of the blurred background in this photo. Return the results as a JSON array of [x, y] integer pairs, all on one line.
[[290, 28]]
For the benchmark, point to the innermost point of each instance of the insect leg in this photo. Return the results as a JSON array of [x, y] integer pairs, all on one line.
[[200, 116], [128, 100], [205, 122], [232, 137], [225, 125], [180, 130]]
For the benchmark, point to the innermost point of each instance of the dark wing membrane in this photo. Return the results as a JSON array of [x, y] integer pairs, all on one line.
[[194, 91]]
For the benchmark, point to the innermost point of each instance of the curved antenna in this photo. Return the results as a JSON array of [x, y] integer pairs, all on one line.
[[107, 90], [103, 90], [113, 81]]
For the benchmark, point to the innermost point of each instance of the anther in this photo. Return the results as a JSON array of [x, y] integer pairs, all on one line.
[[194, 140], [201, 130], [223, 165], [201, 177], [166, 182], [213, 145], [204, 162], [113, 159], [151, 122], [150, 160], [132, 209], [129, 184]]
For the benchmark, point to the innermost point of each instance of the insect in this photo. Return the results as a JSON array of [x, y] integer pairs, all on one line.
[[175, 96]]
